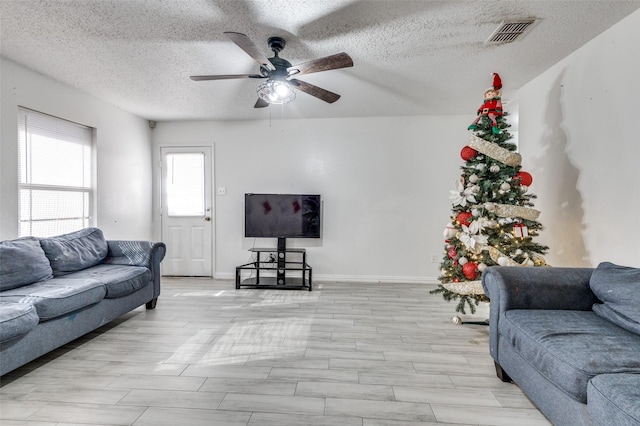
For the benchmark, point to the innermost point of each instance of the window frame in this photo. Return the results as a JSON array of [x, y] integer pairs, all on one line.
[[87, 192]]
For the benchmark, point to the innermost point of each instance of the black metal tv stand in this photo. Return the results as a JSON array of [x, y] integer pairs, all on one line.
[[289, 264]]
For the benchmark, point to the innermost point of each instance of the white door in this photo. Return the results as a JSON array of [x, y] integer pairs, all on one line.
[[187, 220]]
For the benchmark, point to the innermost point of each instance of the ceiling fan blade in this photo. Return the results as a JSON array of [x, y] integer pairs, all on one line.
[[339, 60], [316, 91], [250, 48], [361, 15], [261, 103], [224, 77]]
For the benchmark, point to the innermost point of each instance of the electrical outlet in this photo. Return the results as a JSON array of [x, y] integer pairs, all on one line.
[[434, 258]]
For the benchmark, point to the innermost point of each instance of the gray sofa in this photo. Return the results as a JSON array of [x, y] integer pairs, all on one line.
[[570, 339], [54, 290]]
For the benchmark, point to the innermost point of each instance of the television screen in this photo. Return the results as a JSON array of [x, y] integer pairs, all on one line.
[[282, 216]]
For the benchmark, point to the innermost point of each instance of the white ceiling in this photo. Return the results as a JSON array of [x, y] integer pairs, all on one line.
[[410, 57]]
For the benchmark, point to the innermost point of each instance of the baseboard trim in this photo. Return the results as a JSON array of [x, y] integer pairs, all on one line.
[[351, 278], [374, 279]]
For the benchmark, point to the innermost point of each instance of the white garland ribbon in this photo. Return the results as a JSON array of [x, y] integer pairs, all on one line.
[[496, 254], [465, 287], [508, 210], [495, 151]]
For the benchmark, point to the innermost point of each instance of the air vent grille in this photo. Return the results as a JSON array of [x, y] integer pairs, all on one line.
[[509, 31]]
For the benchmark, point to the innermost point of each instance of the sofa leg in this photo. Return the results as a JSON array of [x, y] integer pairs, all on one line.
[[151, 304], [502, 375]]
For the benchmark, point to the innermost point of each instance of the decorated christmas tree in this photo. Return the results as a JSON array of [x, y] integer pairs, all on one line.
[[493, 221]]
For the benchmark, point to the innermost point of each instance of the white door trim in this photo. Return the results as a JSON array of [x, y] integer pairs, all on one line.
[[160, 151]]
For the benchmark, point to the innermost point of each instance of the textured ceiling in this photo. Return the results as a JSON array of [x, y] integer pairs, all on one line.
[[411, 57]]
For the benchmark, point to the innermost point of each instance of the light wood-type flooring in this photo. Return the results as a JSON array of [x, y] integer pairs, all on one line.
[[361, 354]]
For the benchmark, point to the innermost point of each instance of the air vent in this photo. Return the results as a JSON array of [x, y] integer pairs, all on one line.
[[509, 31]]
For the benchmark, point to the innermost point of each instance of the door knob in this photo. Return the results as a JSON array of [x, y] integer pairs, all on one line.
[[207, 218]]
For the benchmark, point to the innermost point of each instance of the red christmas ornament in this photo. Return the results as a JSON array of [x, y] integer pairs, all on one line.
[[470, 270], [468, 153], [525, 178], [463, 218], [452, 253]]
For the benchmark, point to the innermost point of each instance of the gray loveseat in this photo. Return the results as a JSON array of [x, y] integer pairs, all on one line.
[[570, 339], [54, 290]]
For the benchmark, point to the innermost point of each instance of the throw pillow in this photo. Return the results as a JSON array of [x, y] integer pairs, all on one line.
[[75, 251], [618, 288], [22, 262]]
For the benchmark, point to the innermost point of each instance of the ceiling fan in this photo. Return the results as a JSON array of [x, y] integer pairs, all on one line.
[[278, 89]]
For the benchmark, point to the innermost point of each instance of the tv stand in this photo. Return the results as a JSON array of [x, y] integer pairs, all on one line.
[[281, 260]]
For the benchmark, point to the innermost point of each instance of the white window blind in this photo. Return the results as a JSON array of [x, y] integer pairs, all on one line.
[[55, 158]]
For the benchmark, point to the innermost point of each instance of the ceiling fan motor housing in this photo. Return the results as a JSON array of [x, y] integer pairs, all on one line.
[[281, 65], [276, 44]]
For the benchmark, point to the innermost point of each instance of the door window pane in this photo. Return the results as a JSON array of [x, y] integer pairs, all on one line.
[[185, 184]]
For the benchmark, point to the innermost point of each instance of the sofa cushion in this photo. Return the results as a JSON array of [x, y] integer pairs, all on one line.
[[613, 399], [75, 251], [571, 347], [16, 319], [22, 262], [617, 287], [119, 280], [57, 296]]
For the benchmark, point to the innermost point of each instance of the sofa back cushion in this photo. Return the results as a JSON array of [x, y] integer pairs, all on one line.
[[22, 262], [75, 251], [617, 287]]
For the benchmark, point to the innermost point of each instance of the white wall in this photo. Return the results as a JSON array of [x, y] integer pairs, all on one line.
[[384, 182], [579, 133], [124, 172]]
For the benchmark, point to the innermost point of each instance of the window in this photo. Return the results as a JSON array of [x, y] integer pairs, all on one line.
[[55, 158], [185, 184]]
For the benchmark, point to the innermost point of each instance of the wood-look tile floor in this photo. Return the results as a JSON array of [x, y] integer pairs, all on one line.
[[365, 354]]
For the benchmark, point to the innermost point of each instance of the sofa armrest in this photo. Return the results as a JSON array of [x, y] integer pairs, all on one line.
[[138, 253], [135, 253], [512, 287]]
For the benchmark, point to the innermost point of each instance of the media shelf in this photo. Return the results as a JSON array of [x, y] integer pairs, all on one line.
[[289, 265]]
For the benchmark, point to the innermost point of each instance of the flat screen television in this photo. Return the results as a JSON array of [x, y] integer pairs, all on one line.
[[281, 216]]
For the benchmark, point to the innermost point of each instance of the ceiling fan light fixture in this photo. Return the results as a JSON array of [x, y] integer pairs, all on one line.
[[276, 92]]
